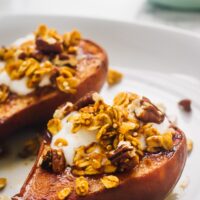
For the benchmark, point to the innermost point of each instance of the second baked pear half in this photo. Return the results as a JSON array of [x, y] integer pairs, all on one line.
[[92, 150], [42, 71]]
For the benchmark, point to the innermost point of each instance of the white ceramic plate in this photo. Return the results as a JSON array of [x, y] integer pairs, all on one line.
[[156, 62]]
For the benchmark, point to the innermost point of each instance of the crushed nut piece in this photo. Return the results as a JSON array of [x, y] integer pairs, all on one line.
[[110, 181], [58, 161], [185, 104], [53, 160], [148, 112], [124, 157], [114, 77], [189, 145], [64, 193], [61, 112], [3, 183], [82, 186]]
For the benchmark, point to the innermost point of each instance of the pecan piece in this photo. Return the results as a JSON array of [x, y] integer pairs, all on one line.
[[147, 112], [58, 161], [53, 161], [124, 157], [185, 104], [48, 48], [47, 161], [85, 101]]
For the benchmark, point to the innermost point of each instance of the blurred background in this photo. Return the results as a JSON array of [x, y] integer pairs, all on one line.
[[183, 14]]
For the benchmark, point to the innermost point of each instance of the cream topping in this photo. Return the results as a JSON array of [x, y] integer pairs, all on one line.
[[16, 86], [75, 140], [162, 127], [21, 40]]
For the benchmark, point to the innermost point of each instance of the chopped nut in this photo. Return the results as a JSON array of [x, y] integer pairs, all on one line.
[[54, 126], [148, 112], [46, 160], [114, 77], [110, 181], [3, 183], [47, 48], [61, 112], [124, 157], [58, 161], [185, 104], [82, 186], [64, 193], [53, 160], [189, 145]]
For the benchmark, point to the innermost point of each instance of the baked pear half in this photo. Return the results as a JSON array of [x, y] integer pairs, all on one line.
[[92, 150], [42, 71]]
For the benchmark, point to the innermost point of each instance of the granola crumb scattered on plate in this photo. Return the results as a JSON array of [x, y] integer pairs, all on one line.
[[114, 77]]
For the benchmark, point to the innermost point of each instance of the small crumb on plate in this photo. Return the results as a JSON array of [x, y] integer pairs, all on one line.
[[185, 104], [189, 145], [114, 77]]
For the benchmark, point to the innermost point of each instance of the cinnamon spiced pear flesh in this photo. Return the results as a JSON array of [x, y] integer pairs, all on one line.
[[41, 72], [92, 150]]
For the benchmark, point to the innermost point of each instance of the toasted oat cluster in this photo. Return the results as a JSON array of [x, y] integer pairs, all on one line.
[[114, 77], [125, 132], [64, 193], [48, 56]]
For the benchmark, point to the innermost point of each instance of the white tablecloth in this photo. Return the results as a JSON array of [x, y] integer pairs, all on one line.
[[128, 10]]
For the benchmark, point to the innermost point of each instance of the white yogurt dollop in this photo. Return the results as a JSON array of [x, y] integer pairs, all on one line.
[[21, 40], [162, 127], [81, 138], [17, 86]]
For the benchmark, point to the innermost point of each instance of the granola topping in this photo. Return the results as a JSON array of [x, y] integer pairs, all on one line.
[[104, 139], [45, 58], [189, 145], [114, 77], [82, 186], [64, 193], [110, 181]]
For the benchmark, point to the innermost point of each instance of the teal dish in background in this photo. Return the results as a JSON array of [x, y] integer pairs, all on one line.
[[180, 4]]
